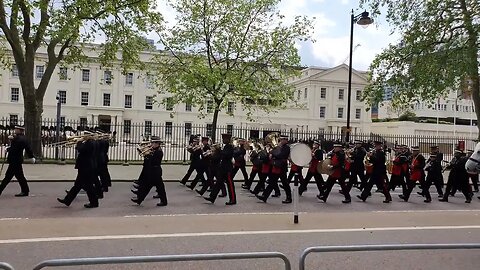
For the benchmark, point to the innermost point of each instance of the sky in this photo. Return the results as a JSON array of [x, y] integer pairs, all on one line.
[[331, 33]]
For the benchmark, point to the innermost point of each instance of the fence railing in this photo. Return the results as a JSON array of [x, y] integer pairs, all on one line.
[[164, 258], [176, 137], [5, 266], [354, 248]]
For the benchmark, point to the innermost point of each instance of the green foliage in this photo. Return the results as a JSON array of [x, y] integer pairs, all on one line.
[[408, 116], [230, 51], [438, 53]]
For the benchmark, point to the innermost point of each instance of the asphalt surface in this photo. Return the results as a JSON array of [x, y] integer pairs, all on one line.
[[37, 227]]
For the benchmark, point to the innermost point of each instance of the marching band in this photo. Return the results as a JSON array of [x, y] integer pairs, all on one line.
[[217, 164]]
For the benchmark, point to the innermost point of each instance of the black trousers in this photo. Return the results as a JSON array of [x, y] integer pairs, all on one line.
[[199, 177], [16, 170], [262, 180], [457, 181], [474, 178], [250, 179], [411, 185], [83, 181], [318, 180], [353, 179], [397, 180], [224, 177], [379, 180], [436, 179], [329, 184], [148, 184], [273, 185], [104, 176], [244, 172], [190, 170]]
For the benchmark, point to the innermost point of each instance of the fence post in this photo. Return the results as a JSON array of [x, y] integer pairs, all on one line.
[[125, 161]]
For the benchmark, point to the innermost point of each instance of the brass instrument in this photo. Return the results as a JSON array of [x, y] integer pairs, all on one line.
[[144, 149], [213, 149], [366, 160], [272, 139]]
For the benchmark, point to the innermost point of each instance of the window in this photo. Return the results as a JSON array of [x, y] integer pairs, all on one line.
[[149, 103], [83, 122], [14, 71], [107, 76], [62, 122], [299, 92], [188, 107], [188, 129], [358, 113], [85, 75], [84, 99], [322, 112], [13, 119], [129, 78], [169, 104], [63, 73], [340, 113], [168, 128], [62, 96], [127, 126], [15, 94], [209, 106], [305, 95], [341, 94], [128, 101], [39, 70], [106, 99], [358, 96], [230, 129], [209, 130], [230, 107], [148, 127], [323, 93]]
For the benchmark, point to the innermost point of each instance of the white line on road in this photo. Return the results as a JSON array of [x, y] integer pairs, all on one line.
[[12, 218], [426, 211], [213, 214], [234, 233]]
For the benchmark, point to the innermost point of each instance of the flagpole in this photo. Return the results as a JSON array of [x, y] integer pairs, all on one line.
[[438, 114]]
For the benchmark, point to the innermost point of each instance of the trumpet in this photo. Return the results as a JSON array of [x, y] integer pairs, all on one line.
[[144, 149]]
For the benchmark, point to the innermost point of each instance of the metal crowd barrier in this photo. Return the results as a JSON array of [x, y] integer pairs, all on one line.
[[164, 258], [382, 248], [5, 266]]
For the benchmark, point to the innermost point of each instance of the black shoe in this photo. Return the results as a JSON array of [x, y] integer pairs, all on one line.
[[62, 201], [134, 191], [401, 196], [427, 200], [361, 198], [322, 198], [230, 203], [301, 190], [162, 204], [440, 195], [261, 198], [222, 195], [105, 189], [286, 201], [22, 194], [199, 192], [420, 193], [136, 182], [156, 196], [245, 186], [135, 186], [136, 201], [469, 200], [100, 195], [387, 201], [443, 200], [281, 186], [253, 192], [89, 205], [347, 201], [276, 195], [183, 182], [212, 200], [191, 187]]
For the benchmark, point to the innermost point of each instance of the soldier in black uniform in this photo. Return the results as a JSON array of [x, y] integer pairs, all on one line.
[[279, 157], [256, 166], [434, 171], [202, 163], [18, 143], [194, 158], [85, 165], [152, 174], [357, 167], [239, 153], [225, 173], [377, 158], [103, 174], [458, 177]]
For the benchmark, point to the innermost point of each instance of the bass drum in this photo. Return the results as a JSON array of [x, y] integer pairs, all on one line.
[[323, 167], [300, 154]]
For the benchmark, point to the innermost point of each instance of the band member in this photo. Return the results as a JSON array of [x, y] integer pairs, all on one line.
[[212, 156], [18, 143], [103, 173], [279, 157], [377, 159], [202, 163], [256, 166], [458, 177], [265, 171], [357, 166], [417, 164], [434, 171], [473, 177], [193, 148], [317, 156], [152, 174], [86, 174], [339, 174], [295, 170], [239, 153], [398, 170], [225, 173]]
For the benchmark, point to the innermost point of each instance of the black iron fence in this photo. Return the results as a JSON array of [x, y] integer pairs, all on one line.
[[127, 135]]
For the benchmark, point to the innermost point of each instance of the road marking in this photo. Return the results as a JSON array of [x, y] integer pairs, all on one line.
[[12, 218], [426, 211], [234, 233], [213, 214]]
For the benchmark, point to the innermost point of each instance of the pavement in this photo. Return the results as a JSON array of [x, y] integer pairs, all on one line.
[[37, 227]]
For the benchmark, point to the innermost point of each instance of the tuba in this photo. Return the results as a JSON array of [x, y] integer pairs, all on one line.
[[272, 138]]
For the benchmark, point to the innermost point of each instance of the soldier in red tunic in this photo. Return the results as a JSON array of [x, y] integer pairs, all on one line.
[[339, 174], [417, 164]]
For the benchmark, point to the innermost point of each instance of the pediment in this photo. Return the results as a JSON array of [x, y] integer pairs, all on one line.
[[340, 74]]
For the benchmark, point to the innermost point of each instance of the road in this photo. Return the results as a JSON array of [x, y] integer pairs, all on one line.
[[37, 228]]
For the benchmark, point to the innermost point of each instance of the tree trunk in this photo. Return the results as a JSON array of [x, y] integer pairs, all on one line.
[[33, 109], [214, 124]]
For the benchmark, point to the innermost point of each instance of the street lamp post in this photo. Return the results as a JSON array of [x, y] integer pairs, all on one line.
[[364, 20], [57, 132]]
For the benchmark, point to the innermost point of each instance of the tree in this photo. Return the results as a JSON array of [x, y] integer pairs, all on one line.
[[438, 53], [62, 28], [224, 51]]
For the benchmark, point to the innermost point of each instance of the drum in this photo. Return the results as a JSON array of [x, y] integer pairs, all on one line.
[[323, 167], [300, 154]]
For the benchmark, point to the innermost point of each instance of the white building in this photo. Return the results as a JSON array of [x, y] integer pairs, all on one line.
[[95, 94]]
